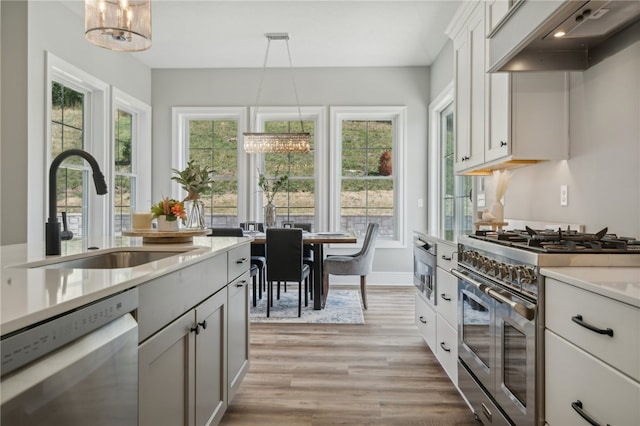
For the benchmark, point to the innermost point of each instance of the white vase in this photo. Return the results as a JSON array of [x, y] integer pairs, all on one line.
[[165, 225], [497, 210]]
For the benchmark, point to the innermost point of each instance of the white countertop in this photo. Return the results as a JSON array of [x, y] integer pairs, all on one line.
[[31, 295], [619, 283]]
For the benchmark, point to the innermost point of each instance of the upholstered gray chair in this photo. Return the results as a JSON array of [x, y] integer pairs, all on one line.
[[284, 263], [359, 263]]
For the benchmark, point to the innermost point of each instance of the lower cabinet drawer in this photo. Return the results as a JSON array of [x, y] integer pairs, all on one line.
[[447, 348], [577, 382], [447, 297], [426, 322]]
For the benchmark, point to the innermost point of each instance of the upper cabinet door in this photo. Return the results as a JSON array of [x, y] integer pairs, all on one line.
[[495, 11]]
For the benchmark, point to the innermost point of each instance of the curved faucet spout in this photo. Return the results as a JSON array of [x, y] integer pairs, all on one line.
[[52, 226]]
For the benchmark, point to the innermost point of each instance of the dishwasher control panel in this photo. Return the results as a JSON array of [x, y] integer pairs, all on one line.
[[24, 346]]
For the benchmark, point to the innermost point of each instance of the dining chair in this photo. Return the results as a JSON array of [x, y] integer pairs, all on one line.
[[360, 263], [307, 253], [258, 255], [284, 263], [253, 271]]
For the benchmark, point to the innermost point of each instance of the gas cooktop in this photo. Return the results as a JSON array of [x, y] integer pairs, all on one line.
[[561, 241]]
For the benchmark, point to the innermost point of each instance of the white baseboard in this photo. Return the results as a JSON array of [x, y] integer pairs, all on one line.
[[375, 278]]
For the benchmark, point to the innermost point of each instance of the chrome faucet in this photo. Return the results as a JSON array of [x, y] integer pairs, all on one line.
[[52, 227]]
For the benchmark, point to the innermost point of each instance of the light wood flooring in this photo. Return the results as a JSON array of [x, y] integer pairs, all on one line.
[[379, 373]]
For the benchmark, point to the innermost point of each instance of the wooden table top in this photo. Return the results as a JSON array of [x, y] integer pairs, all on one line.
[[312, 237]]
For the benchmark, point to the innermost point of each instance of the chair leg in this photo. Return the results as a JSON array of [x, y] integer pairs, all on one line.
[[325, 288], [306, 291], [278, 296], [299, 299], [363, 290], [269, 296], [254, 290], [261, 281]]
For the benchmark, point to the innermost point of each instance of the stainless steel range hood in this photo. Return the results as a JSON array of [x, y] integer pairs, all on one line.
[[594, 30]]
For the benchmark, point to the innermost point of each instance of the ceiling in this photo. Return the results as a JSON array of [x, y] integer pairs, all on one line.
[[346, 33]]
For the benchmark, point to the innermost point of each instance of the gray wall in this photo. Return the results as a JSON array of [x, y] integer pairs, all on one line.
[[603, 170], [316, 87], [442, 70], [29, 30]]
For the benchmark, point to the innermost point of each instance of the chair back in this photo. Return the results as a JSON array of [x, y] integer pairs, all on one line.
[[226, 232], [284, 254], [307, 250], [368, 247]]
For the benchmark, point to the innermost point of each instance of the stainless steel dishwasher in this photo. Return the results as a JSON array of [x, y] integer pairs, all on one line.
[[79, 368]]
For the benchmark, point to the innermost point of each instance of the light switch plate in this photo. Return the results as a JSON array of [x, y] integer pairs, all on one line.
[[564, 195]]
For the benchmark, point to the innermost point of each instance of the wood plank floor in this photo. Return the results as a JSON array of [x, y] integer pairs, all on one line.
[[380, 373]]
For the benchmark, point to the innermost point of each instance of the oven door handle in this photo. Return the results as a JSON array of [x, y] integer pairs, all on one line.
[[521, 309]]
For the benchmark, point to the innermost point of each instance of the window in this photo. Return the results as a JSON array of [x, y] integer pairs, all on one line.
[[296, 203], [131, 187], [77, 116], [210, 136], [451, 212], [366, 170], [299, 201]]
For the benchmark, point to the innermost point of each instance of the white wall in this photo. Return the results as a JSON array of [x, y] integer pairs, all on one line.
[[29, 29], [316, 87], [603, 171]]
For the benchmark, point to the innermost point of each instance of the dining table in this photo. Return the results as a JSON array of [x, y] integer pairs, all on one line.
[[317, 240]]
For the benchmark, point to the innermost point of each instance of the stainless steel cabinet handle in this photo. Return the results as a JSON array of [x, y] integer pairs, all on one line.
[[578, 320], [524, 311], [577, 406]]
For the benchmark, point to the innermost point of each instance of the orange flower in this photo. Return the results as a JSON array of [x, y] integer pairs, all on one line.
[[178, 210]]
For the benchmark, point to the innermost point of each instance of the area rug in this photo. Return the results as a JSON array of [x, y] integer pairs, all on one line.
[[343, 307]]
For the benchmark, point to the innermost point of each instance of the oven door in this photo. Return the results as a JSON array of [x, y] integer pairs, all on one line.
[[424, 271], [516, 357], [476, 329]]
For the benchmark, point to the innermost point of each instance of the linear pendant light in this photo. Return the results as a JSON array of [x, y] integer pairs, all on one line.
[[255, 142]]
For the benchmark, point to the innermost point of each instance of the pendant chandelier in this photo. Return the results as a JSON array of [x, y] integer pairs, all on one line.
[[122, 25], [255, 142]]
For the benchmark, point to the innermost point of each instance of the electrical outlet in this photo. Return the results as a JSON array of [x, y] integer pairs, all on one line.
[[564, 195]]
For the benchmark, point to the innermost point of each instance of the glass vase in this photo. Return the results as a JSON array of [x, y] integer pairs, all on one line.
[[270, 215], [195, 214]]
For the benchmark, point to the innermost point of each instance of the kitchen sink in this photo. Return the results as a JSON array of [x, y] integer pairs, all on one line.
[[124, 258]]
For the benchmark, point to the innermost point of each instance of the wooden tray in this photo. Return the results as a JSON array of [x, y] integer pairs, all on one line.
[[156, 237]]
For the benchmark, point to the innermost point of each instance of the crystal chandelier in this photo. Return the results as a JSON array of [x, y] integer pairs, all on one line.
[[123, 25], [255, 142]]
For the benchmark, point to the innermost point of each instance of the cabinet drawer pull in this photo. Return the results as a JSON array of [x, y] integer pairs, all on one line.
[[242, 260], [503, 143], [445, 257], [464, 158], [196, 329], [577, 406], [444, 347], [486, 412], [203, 324], [241, 283], [422, 320], [445, 297], [578, 320]]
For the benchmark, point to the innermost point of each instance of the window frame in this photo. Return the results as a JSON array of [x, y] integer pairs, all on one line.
[[398, 116], [180, 117], [435, 218], [318, 115], [96, 134], [140, 151]]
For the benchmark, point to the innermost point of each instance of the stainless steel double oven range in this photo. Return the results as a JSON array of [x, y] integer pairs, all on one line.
[[501, 313]]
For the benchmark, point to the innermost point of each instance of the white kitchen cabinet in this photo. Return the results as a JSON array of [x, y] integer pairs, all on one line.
[[495, 11], [426, 321], [592, 347], [527, 118], [469, 74], [238, 339]]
